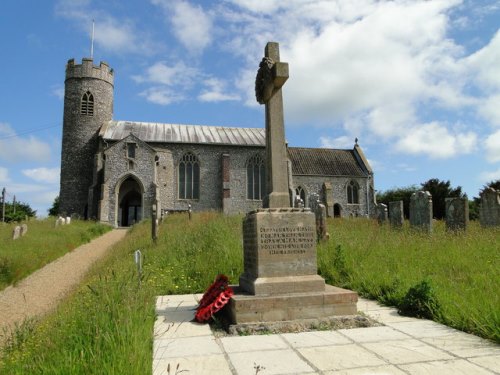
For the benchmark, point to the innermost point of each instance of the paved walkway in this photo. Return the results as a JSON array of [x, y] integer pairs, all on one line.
[[402, 346]]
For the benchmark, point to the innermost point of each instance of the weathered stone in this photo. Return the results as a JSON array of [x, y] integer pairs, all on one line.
[[489, 209], [24, 229], [271, 77], [457, 213], [396, 214], [16, 232], [328, 195], [321, 230], [68, 219], [421, 211], [381, 212]]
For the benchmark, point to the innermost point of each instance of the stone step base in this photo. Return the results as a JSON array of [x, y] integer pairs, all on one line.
[[282, 285], [333, 301]]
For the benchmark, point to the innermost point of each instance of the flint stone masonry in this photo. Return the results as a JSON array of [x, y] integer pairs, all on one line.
[[396, 214], [421, 211], [457, 213], [489, 209]]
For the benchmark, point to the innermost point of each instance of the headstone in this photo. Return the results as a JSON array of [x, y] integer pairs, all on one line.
[[321, 232], [68, 219], [396, 214], [421, 211], [328, 193], [489, 209], [457, 214], [24, 229], [154, 223], [16, 232], [381, 210], [280, 280]]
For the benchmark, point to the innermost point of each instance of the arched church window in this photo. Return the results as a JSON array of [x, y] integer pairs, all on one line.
[[256, 177], [87, 105], [301, 193], [353, 193], [189, 177]]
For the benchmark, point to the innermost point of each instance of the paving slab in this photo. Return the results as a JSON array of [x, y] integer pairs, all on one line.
[[340, 357], [453, 367], [406, 351], [270, 362], [253, 343], [379, 370], [402, 346], [213, 364], [185, 347], [316, 338], [465, 345], [373, 334]]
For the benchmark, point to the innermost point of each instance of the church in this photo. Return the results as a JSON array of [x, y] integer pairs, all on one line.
[[118, 172]]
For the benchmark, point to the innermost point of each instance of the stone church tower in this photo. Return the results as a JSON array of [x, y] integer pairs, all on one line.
[[88, 104]]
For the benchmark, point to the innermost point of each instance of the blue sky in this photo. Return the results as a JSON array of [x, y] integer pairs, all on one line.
[[418, 82]]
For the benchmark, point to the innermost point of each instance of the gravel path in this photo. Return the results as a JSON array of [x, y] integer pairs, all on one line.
[[44, 289]]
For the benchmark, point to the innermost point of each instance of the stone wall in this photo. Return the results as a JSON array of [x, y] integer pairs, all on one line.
[[80, 138], [314, 185]]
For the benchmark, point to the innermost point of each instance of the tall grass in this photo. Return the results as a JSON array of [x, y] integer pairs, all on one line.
[[42, 244], [106, 326]]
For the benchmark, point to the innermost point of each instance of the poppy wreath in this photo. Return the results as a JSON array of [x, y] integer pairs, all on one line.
[[214, 299]]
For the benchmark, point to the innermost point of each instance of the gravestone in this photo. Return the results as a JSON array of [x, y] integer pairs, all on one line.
[[68, 219], [457, 213], [396, 214], [24, 229], [328, 193], [381, 210], [489, 209], [421, 211], [16, 232], [321, 232], [280, 280]]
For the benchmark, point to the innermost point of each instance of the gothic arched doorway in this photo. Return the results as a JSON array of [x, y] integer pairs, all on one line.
[[337, 210], [130, 202]]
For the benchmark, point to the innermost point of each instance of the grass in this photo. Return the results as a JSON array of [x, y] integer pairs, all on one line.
[[106, 325], [42, 244]]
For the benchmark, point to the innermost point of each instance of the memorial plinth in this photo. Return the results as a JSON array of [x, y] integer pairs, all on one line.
[[280, 280]]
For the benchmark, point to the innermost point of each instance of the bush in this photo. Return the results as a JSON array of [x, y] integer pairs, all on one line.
[[420, 302]]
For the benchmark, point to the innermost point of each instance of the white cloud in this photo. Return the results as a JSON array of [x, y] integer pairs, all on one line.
[[16, 149], [161, 95], [216, 92], [4, 175], [58, 91], [435, 141], [170, 75], [490, 176], [492, 145], [49, 175], [490, 109], [111, 34], [191, 25], [339, 142]]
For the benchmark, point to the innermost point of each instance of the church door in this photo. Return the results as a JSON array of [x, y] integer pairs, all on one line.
[[337, 210], [130, 203]]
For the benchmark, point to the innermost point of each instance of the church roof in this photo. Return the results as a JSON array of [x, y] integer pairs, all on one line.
[[175, 133], [325, 162]]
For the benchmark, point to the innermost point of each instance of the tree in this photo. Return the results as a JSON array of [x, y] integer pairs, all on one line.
[[398, 194], [21, 211], [54, 210], [440, 190], [492, 184]]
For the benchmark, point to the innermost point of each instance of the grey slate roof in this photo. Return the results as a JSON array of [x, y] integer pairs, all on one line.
[[175, 133], [324, 162]]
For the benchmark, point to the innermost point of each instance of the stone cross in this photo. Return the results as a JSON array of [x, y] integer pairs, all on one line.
[[271, 76]]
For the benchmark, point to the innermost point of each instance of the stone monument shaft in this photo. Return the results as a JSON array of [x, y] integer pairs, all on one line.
[[271, 77]]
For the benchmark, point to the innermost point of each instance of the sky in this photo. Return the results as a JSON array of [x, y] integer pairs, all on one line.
[[417, 82]]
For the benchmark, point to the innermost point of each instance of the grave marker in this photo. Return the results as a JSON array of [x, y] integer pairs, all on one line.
[[421, 211], [489, 209], [396, 214], [457, 213]]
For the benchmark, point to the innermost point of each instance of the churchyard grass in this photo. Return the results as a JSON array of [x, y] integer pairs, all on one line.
[[106, 325], [42, 244]]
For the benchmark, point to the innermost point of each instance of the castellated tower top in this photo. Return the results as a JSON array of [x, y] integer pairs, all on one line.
[[88, 70]]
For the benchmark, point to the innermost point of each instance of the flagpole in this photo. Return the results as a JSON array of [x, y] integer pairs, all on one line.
[[92, 42]]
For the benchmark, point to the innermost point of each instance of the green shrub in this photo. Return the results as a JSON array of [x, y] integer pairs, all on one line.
[[420, 301]]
